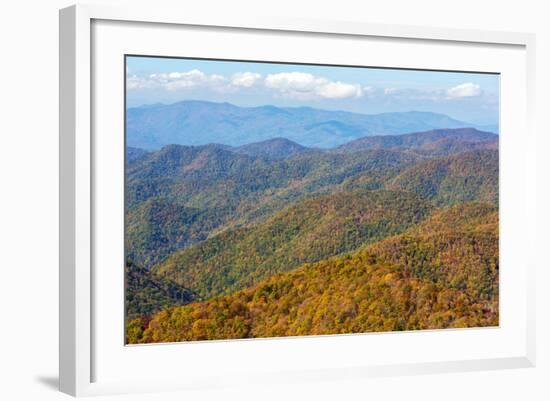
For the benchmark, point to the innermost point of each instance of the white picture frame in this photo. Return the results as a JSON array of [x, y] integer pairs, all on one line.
[[80, 153]]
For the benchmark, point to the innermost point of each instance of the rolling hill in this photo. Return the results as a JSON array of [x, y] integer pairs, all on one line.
[[430, 276], [181, 195], [158, 227], [450, 146], [146, 294], [438, 249], [134, 153], [453, 179], [433, 142], [272, 149], [308, 231], [199, 122]]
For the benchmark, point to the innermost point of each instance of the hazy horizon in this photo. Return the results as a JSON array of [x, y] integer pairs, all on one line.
[[469, 97], [145, 105]]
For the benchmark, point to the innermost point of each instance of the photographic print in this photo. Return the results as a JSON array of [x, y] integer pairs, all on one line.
[[267, 199]]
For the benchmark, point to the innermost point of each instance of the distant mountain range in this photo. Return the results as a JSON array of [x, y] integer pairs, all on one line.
[[199, 122], [438, 142]]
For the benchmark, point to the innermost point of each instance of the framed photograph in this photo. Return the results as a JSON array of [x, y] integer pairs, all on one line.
[[266, 200]]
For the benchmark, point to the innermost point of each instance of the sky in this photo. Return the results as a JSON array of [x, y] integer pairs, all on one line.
[[470, 97]]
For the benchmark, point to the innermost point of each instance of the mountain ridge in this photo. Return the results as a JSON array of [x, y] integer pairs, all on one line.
[[418, 140], [193, 122], [273, 149], [182, 195]]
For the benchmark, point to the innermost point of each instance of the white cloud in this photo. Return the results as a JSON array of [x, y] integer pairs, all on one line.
[[291, 81], [217, 78], [464, 90], [135, 82], [245, 79], [296, 85], [302, 85], [369, 90], [174, 81], [339, 90], [436, 95], [414, 94]]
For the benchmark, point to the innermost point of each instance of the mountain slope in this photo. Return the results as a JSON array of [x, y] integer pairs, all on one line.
[[458, 217], [454, 179], [199, 122], [439, 139], [146, 294], [158, 227], [438, 249], [180, 195], [210, 175], [454, 283], [134, 153], [450, 146], [272, 149], [305, 232]]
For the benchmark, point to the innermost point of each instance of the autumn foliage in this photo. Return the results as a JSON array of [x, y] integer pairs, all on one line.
[[386, 233], [428, 277]]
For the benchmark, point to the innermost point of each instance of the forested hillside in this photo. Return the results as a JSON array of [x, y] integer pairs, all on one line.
[[276, 148], [146, 294], [308, 231], [454, 179], [180, 195], [468, 138], [449, 146], [424, 278], [273, 238]]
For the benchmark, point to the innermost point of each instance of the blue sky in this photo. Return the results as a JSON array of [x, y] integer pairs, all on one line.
[[469, 97]]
